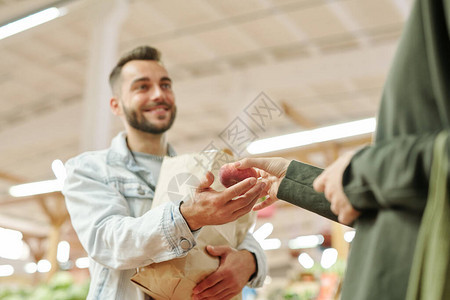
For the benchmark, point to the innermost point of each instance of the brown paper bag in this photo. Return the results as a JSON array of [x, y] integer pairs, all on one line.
[[175, 279]]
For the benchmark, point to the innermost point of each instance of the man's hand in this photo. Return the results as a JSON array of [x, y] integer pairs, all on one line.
[[330, 183], [234, 271], [271, 171], [210, 207]]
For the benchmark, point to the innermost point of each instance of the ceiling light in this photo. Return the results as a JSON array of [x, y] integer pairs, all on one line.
[[349, 236], [7, 235], [63, 252], [329, 258], [309, 137], [59, 170], [44, 266], [12, 242], [270, 244], [82, 262], [30, 21], [42, 187], [6, 270], [305, 260], [30, 268], [263, 232], [35, 188], [306, 241]]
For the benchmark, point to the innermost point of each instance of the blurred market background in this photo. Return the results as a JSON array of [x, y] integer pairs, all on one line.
[[243, 71]]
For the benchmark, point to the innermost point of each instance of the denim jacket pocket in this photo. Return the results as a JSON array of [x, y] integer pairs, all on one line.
[[139, 197]]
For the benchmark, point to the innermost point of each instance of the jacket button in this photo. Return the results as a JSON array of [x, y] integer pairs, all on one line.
[[185, 244], [140, 191]]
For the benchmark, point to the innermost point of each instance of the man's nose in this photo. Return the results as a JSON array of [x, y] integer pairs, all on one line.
[[156, 93]]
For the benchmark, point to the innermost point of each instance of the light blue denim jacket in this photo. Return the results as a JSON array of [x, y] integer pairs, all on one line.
[[109, 197]]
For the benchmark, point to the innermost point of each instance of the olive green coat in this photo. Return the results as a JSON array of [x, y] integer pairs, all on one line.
[[388, 181]]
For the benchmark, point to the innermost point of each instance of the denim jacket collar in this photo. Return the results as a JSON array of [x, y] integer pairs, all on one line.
[[120, 154]]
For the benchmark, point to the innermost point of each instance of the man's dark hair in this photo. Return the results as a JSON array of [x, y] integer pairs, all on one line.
[[139, 53]]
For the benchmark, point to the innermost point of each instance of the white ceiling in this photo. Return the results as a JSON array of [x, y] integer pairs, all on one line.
[[326, 59]]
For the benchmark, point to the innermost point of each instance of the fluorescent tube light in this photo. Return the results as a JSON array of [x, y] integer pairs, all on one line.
[[329, 258], [349, 236], [308, 137], [305, 260], [30, 268], [263, 232], [59, 170], [42, 187], [261, 235], [35, 188], [6, 270], [12, 244], [306, 241], [63, 252], [270, 244], [30, 21], [44, 266], [82, 262]]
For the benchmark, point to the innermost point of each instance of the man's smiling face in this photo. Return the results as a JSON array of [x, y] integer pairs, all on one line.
[[147, 99]]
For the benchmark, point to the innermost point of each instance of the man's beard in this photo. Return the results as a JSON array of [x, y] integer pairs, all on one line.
[[146, 126]]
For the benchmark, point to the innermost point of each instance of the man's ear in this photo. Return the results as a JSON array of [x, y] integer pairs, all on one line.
[[115, 106]]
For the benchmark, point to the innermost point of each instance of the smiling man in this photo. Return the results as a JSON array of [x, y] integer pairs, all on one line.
[[109, 195]]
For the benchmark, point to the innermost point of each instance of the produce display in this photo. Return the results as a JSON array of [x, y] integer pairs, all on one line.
[[61, 287]]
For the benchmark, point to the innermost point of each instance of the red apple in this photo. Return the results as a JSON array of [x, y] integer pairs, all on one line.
[[229, 175]]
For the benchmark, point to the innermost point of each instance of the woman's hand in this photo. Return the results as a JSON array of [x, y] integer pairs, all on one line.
[[271, 171]]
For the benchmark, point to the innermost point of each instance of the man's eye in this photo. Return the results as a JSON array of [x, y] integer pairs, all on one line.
[[166, 86], [143, 87]]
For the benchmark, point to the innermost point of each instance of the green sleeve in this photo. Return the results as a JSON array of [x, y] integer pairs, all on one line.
[[393, 174], [296, 188]]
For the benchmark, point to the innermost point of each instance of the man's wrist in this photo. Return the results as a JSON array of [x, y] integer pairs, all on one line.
[[254, 269], [185, 211]]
